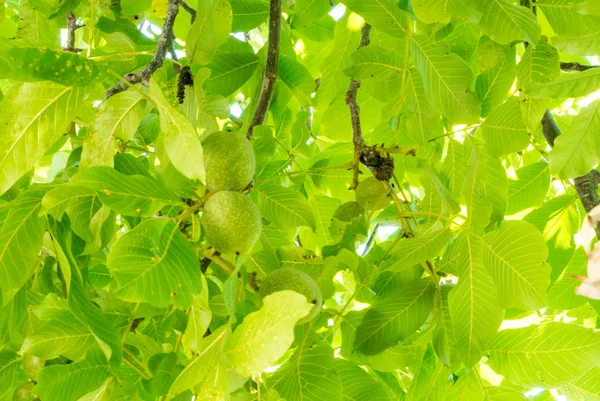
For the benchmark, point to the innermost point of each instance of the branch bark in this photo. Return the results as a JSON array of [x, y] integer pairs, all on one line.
[[271, 68], [163, 46], [569, 67], [586, 185], [71, 28], [375, 158], [189, 9]]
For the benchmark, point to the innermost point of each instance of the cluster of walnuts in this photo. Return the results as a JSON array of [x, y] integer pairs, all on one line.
[[230, 219], [232, 222]]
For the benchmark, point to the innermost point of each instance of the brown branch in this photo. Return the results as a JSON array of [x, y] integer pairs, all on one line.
[[189, 9], [271, 68], [529, 4], [571, 66], [586, 184], [375, 158], [163, 46], [71, 28], [357, 137]]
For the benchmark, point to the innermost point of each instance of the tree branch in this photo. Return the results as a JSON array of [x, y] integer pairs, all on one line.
[[586, 184], [568, 67], [163, 46], [71, 28], [375, 158], [271, 68], [189, 9]]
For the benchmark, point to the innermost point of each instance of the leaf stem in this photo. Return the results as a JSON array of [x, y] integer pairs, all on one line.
[[140, 369], [271, 68], [308, 171], [454, 132]]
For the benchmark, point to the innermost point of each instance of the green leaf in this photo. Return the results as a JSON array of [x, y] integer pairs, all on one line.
[[444, 342], [154, 263], [198, 319], [411, 251], [567, 85], [430, 379], [539, 64], [180, 138], [285, 207], [442, 11], [504, 130], [530, 187], [587, 387], [229, 71], [206, 356], [118, 117], [473, 303], [423, 120], [561, 295], [265, 335], [357, 384], [34, 116], [20, 62], [577, 150], [9, 362], [515, 256], [248, 14], [63, 335], [20, 242], [374, 62], [505, 22], [297, 78], [496, 188], [308, 375], [588, 7], [99, 323], [587, 45], [333, 79], [131, 195], [72, 381], [493, 85], [546, 356], [479, 207], [394, 318], [209, 31], [447, 79], [384, 15], [565, 19], [558, 220]]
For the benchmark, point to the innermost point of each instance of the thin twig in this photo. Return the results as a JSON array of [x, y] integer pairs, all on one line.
[[271, 68], [215, 256], [572, 66], [71, 28], [357, 137], [454, 132], [586, 185], [164, 44], [371, 240], [189, 9]]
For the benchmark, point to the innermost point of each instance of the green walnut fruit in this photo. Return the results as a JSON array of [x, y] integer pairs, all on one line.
[[295, 280], [32, 366], [373, 193], [231, 222], [228, 160]]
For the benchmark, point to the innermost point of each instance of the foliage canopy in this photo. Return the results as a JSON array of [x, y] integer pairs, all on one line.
[[469, 129]]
